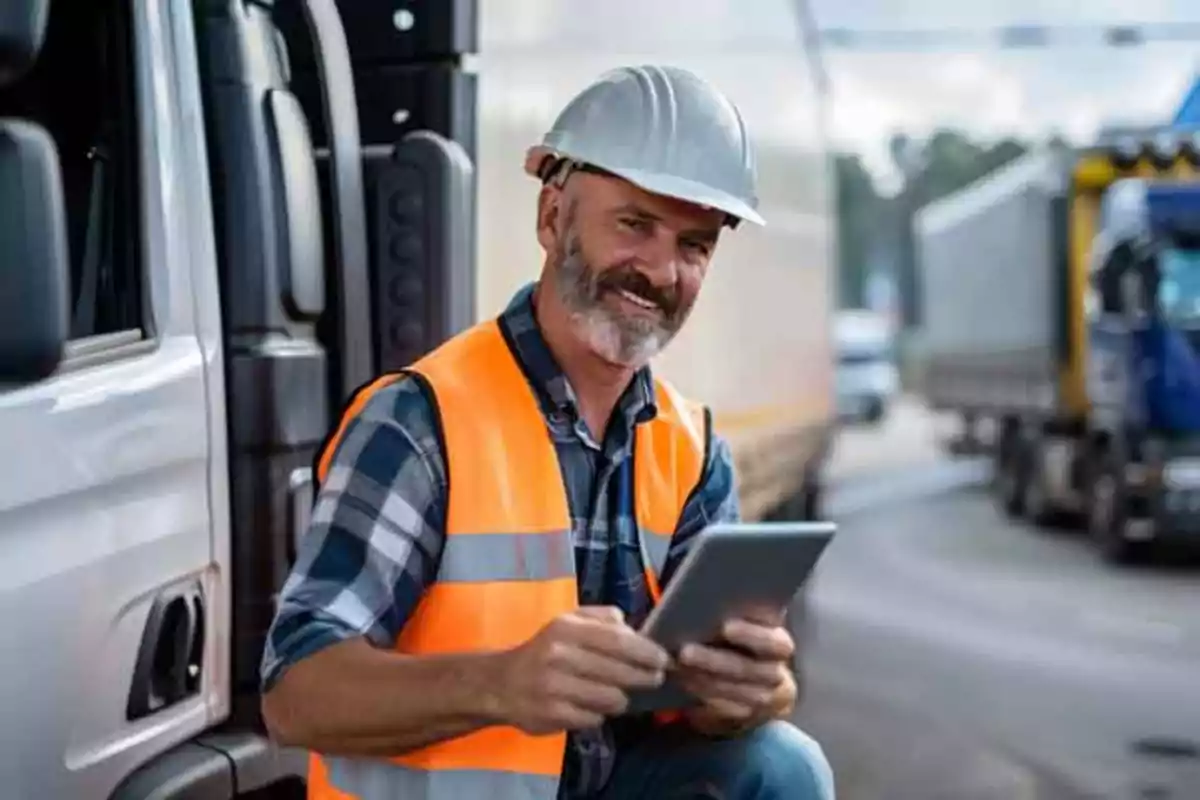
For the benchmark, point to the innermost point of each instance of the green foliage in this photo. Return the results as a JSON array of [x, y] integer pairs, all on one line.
[[859, 210], [869, 223]]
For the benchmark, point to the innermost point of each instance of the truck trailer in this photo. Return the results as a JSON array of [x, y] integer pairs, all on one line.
[[218, 218], [1060, 296]]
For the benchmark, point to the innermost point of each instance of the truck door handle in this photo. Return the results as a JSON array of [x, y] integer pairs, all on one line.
[[169, 661]]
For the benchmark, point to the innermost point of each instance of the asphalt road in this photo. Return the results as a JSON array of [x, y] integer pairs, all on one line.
[[952, 655]]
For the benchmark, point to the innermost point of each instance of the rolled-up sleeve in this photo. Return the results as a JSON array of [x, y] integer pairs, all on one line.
[[375, 538]]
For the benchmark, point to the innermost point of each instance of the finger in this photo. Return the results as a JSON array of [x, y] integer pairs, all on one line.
[[609, 614], [727, 709], [565, 715], [767, 642], [719, 662], [587, 695], [604, 669], [623, 643], [711, 690]]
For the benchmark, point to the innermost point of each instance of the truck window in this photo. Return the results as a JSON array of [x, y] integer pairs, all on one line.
[[82, 91]]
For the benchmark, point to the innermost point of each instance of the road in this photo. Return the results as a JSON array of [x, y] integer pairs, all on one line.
[[953, 655]]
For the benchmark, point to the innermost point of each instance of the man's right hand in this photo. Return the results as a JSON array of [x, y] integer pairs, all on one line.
[[576, 671]]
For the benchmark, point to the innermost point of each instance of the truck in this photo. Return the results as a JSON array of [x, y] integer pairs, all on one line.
[[1060, 296], [218, 218]]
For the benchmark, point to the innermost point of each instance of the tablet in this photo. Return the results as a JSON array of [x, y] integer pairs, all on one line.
[[731, 567]]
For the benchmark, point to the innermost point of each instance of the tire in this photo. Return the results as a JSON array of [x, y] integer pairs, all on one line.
[[876, 411], [1036, 503], [1008, 475], [1107, 515]]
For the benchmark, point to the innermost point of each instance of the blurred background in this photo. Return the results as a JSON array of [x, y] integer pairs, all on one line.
[[969, 333], [1010, 610]]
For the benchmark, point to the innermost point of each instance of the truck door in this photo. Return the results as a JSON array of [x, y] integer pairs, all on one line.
[[105, 519], [333, 254]]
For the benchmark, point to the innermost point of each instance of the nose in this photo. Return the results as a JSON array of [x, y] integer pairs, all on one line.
[[660, 259]]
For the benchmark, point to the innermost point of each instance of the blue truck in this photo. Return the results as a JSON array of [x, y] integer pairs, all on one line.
[[1063, 307]]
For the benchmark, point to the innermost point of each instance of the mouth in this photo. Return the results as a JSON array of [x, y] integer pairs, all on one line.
[[638, 301]]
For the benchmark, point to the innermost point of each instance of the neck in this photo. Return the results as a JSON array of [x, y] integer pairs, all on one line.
[[598, 384]]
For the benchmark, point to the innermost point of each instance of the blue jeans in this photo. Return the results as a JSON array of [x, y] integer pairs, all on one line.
[[774, 762]]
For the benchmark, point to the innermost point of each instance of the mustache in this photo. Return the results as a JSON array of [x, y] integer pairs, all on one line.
[[628, 278]]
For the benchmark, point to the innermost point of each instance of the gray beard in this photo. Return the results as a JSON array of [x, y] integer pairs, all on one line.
[[627, 341]]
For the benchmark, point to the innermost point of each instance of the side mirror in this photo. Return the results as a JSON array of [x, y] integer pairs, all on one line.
[[34, 273], [22, 31]]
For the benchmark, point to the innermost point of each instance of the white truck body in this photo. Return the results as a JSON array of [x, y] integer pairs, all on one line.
[[115, 482], [991, 290]]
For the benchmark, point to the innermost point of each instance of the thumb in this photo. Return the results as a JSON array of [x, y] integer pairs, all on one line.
[[609, 614]]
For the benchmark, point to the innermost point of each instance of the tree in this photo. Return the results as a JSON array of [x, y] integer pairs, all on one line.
[[945, 162], [858, 211]]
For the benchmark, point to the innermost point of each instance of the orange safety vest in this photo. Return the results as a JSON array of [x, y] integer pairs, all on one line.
[[507, 567]]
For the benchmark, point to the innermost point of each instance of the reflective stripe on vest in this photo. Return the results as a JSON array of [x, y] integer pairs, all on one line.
[[507, 566]]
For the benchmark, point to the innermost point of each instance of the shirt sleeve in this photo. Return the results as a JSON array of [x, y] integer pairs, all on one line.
[[715, 501], [376, 534]]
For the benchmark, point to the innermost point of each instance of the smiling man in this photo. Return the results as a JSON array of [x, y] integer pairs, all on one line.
[[495, 522]]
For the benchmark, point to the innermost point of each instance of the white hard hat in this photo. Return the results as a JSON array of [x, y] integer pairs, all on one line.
[[661, 128]]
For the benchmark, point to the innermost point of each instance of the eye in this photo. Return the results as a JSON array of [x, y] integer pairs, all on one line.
[[636, 224], [697, 248]]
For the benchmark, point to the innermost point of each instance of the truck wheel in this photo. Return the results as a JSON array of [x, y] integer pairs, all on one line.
[[1108, 515], [876, 411], [1036, 502], [812, 506], [1008, 482]]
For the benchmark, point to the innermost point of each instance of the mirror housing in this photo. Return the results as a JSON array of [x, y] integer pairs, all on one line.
[[34, 270], [22, 31]]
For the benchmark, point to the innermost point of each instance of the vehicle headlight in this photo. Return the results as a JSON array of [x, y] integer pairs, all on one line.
[[1182, 473]]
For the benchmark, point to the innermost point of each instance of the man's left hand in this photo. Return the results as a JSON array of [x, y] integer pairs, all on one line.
[[744, 687]]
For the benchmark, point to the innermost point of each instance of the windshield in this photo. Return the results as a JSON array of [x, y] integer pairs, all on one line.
[[1179, 285]]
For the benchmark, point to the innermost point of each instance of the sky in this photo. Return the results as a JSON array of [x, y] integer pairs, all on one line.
[[1072, 90]]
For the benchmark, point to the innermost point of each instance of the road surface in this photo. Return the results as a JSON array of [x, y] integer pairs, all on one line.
[[955, 656], [907, 438]]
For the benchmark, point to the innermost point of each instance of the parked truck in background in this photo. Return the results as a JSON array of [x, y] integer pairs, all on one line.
[[220, 217], [1061, 297]]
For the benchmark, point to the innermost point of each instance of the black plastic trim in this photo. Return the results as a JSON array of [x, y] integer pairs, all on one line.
[[187, 772], [34, 287], [423, 247], [257, 761], [159, 684], [220, 766], [346, 188], [22, 33], [300, 233]]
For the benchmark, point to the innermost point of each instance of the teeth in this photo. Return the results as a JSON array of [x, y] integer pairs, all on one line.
[[639, 300]]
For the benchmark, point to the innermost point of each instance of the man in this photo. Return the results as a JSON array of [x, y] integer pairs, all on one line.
[[494, 523]]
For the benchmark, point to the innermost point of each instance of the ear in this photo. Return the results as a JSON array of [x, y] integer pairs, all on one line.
[[548, 217]]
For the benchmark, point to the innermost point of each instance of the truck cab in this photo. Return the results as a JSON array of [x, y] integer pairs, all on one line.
[[189, 294], [1143, 373]]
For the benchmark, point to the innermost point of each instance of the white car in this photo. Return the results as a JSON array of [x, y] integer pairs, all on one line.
[[867, 377]]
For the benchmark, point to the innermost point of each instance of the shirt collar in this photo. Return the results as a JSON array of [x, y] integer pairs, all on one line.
[[637, 403]]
